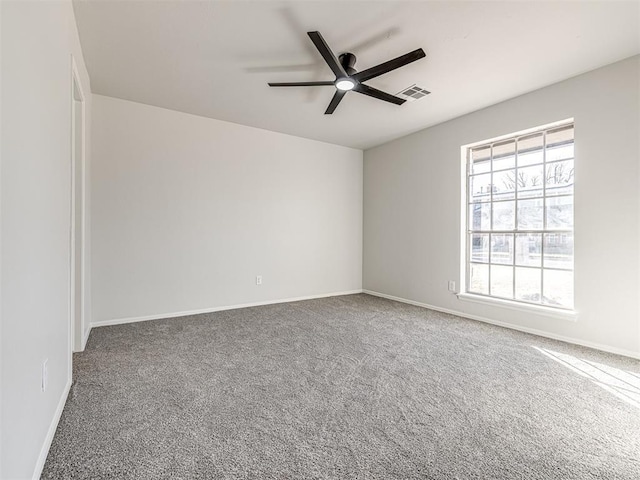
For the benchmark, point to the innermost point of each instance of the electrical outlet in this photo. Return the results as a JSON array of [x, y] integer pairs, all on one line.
[[259, 280], [45, 375], [452, 286]]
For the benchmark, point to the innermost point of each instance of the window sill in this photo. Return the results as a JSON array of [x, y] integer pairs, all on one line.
[[570, 315]]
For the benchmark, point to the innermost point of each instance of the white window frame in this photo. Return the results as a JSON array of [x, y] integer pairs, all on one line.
[[535, 307]]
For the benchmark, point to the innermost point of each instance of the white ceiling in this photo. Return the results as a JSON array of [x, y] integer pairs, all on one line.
[[214, 58]]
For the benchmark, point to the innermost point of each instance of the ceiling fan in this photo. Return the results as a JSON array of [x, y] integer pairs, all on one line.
[[347, 78]]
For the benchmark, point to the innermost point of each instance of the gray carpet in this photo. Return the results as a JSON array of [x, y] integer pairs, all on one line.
[[344, 387]]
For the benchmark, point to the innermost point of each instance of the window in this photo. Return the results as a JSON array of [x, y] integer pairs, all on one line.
[[519, 226]]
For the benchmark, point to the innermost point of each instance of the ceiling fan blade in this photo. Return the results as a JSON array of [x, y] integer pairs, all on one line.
[[379, 94], [339, 95], [300, 84], [385, 67], [327, 54]]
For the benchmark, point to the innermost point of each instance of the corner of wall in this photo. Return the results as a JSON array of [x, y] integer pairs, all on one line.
[[29, 419]]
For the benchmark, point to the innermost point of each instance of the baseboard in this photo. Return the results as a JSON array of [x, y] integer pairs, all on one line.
[[159, 316], [42, 458], [540, 333], [86, 337]]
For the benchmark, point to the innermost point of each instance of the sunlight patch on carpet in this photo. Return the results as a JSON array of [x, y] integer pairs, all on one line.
[[622, 384]]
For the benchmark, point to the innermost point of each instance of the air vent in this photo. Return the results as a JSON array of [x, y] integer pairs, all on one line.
[[413, 93]]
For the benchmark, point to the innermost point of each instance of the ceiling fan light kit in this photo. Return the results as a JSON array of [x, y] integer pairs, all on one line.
[[347, 78], [345, 84]]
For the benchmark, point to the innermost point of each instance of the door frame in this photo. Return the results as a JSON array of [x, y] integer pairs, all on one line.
[[77, 324]]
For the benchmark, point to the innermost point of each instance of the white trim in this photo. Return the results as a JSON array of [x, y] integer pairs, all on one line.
[[159, 316], [76, 83], [569, 315], [1, 270], [86, 337], [468, 230], [44, 451], [521, 133], [533, 331]]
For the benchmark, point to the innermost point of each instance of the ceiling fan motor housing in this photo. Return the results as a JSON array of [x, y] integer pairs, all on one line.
[[348, 60]]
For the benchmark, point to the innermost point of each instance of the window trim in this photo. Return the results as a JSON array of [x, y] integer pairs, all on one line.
[[538, 309], [567, 313]]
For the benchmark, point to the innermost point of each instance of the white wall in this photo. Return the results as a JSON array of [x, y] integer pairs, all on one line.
[[38, 39], [1, 355], [412, 206], [188, 210]]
